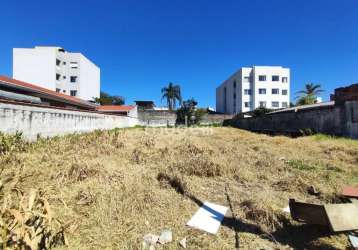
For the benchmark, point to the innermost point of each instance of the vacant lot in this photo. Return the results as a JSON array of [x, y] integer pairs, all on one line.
[[106, 190]]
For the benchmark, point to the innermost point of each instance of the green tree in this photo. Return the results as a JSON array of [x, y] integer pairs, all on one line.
[[172, 94], [189, 110], [260, 111], [305, 100], [107, 99], [309, 94]]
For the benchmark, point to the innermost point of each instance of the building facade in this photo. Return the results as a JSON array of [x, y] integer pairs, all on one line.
[[253, 87], [58, 70]]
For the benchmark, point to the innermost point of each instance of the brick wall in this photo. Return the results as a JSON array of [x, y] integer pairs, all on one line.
[[349, 93]]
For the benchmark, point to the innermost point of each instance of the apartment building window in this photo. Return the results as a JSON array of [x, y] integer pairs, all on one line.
[[234, 96], [262, 91], [58, 62], [284, 92], [73, 92], [73, 78], [58, 76], [234, 83], [262, 78], [275, 78], [247, 104], [58, 90], [247, 78], [64, 63], [247, 91], [284, 105], [284, 79], [74, 65], [275, 91], [262, 104], [275, 104]]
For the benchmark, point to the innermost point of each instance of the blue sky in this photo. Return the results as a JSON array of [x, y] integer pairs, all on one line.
[[142, 45]]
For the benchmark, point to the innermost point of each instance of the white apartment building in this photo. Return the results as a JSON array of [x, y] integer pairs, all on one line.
[[58, 70], [253, 87]]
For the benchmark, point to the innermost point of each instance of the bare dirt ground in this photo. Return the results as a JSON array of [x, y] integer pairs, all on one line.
[[107, 189]]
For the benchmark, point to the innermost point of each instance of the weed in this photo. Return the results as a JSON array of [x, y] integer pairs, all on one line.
[[12, 143], [198, 166], [323, 137], [301, 165], [27, 220]]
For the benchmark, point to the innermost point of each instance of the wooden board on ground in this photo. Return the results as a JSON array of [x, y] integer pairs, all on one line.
[[350, 192], [342, 217], [308, 213]]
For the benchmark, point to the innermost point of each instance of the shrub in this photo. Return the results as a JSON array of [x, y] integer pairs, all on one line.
[[199, 113], [261, 111], [11, 143], [189, 110]]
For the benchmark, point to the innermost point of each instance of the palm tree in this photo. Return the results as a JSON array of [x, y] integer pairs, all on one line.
[[311, 89], [309, 95], [172, 93]]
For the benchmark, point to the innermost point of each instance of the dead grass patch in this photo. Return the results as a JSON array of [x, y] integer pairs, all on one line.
[[268, 219], [109, 188], [27, 221], [172, 181]]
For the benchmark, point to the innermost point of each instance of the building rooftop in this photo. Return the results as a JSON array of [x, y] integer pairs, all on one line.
[[115, 108], [145, 102], [304, 107], [43, 93]]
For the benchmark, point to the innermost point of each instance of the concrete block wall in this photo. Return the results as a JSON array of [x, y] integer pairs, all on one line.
[[157, 118], [160, 118], [48, 122], [339, 120], [351, 119], [209, 119]]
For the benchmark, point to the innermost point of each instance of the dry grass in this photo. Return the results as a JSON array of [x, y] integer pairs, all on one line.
[[108, 189]]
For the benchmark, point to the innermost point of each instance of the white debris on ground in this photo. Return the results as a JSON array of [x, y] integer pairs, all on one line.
[[150, 240], [182, 243], [286, 209], [354, 241], [208, 218], [166, 236]]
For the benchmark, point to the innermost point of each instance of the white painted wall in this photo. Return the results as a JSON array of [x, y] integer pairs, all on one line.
[[89, 84], [35, 66], [230, 105], [38, 66], [48, 122], [133, 112]]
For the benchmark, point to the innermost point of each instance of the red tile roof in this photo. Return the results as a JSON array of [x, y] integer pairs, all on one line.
[[115, 108], [49, 93], [350, 192]]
